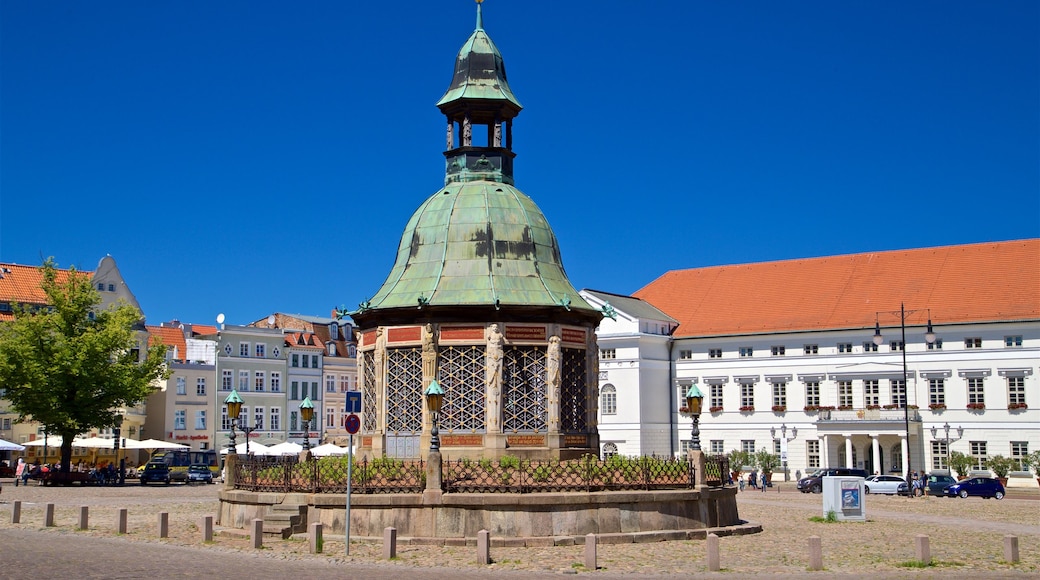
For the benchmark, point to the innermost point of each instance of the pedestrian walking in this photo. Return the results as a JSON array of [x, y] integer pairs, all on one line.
[[20, 471], [764, 482], [753, 479]]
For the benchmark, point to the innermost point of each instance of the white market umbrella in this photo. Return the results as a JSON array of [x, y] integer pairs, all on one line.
[[51, 442], [285, 448], [94, 443], [254, 448], [329, 449], [151, 444], [8, 446]]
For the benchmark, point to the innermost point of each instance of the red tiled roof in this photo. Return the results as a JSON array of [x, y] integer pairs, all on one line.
[[971, 283], [22, 285], [203, 329], [303, 340], [170, 337]]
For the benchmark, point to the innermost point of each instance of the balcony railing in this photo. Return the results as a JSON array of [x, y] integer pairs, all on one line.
[[868, 415]]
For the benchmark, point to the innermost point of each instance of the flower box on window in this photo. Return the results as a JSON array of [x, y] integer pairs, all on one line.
[[826, 407], [844, 407], [811, 408], [779, 408], [937, 406], [976, 406], [714, 409], [684, 411], [1017, 406], [912, 407], [891, 406], [747, 409], [872, 407]]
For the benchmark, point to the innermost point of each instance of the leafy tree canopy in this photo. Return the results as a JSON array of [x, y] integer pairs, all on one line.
[[71, 366]]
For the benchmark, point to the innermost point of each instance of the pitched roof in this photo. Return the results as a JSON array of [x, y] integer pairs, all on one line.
[[170, 337], [631, 306], [986, 282], [23, 285]]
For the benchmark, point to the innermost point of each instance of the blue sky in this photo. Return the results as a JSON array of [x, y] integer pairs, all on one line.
[[252, 157]]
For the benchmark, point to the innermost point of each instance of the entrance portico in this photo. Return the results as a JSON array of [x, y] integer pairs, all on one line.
[[871, 439]]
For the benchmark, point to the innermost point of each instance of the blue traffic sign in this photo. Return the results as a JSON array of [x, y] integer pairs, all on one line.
[[353, 401]]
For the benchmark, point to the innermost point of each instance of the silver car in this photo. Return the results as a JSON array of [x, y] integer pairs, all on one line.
[[885, 484]]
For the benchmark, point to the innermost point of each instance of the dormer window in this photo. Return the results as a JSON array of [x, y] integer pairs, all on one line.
[[332, 349], [334, 332]]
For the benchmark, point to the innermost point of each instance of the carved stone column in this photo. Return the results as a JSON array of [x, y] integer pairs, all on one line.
[[553, 365], [493, 379]]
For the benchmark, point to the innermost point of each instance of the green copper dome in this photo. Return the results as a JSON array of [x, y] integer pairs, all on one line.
[[478, 243], [480, 74]]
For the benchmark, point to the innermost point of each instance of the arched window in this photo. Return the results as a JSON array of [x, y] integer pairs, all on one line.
[[609, 450], [608, 401]]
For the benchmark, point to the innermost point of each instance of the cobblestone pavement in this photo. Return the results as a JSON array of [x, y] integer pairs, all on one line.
[[966, 541]]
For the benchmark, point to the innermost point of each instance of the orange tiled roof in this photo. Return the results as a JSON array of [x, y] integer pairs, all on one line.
[[22, 285], [170, 337], [203, 329], [987, 282], [303, 340]]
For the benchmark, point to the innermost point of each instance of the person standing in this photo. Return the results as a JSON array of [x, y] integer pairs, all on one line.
[[20, 471], [764, 481], [753, 479]]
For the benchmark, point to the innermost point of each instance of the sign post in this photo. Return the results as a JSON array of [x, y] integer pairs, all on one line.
[[352, 424]]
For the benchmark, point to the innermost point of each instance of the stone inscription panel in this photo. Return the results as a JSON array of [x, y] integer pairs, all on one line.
[[462, 333], [462, 440], [525, 333], [405, 334], [573, 335], [525, 440], [576, 440]]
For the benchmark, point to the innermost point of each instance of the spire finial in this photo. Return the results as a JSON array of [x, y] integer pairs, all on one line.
[[480, 17]]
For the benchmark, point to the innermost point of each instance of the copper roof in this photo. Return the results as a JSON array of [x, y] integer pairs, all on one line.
[[986, 282]]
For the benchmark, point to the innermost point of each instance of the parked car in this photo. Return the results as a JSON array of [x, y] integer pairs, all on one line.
[[814, 482], [985, 487], [156, 472], [199, 473], [937, 483], [890, 484]]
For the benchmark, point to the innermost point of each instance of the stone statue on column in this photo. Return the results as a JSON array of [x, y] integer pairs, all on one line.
[[429, 355], [553, 378], [493, 379], [467, 132], [498, 133], [380, 386], [450, 135]]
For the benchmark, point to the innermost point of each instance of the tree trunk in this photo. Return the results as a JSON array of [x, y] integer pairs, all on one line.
[[66, 451]]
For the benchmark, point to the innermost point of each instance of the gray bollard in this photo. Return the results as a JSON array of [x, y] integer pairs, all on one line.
[[1011, 549], [16, 512], [590, 551], [314, 538], [84, 517], [389, 543], [922, 550], [815, 553], [714, 561], [48, 515], [257, 534], [121, 521], [164, 524], [207, 528], [484, 547]]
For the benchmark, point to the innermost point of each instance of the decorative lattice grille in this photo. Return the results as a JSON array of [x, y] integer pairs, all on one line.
[[524, 396], [461, 375], [573, 400], [404, 390], [369, 412]]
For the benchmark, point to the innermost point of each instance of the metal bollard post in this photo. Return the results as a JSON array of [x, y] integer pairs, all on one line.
[[1011, 549], [84, 518], [164, 524], [314, 538], [484, 547], [207, 528], [121, 523], [714, 561], [590, 551], [922, 550], [815, 553], [16, 512], [389, 543], [48, 515], [257, 534]]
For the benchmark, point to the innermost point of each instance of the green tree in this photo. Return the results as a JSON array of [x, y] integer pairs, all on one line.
[[1033, 460], [766, 461], [1001, 465], [70, 366], [961, 463], [739, 459]]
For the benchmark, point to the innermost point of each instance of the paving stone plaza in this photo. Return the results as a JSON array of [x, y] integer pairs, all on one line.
[[966, 540]]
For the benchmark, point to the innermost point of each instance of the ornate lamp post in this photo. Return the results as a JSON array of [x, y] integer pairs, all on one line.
[[434, 400], [784, 439], [307, 412], [234, 406], [947, 441], [694, 398], [929, 337]]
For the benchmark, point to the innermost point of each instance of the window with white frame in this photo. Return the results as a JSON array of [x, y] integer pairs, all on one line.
[[261, 350], [276, 418], [330, 417], [608, 400], [1019, 451], [715, 396], [979, 455], [295, 360], [871, 393], [747, 352], [812, 453], [845, 394], [810, 349], [306, 360], [714, 353], [976, 393], [294, 421], [294, 390], [330, 383], [935, 344], [314, 391], [812, 394], [1013, 341], [243, 349], [182, 388], [200, 386], [1016, 390], [276, 382], [896, 346], [226, 380], [780, 394], [258, 417], [845, 347], [243, 381], [609, 450], [332, 349], [200, 420], [776, 447], [259, 378], [778, 350], [747, 395], [225, 421], [747, 445], [607, 353], [179, 419], [685, 355], [869, 346], [897, 392], [717, 446], [939, 455], [344, 383], [973, 342], [937, 392]]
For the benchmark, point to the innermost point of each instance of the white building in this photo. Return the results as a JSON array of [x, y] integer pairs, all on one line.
[[785, 356]]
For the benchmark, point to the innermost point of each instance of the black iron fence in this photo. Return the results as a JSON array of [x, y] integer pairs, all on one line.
[[503, 475]]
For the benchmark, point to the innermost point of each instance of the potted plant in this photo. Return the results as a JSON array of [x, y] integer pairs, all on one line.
[[766, 462], [961, 463], [1000, 466], [1033, 460], [737, 461]]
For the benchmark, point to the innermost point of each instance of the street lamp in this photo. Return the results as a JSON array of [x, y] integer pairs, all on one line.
[[784, 439], [117, 431], [234, 406], [307, 412], [434, 400], [694, 398], [929, 337], [947, 441]]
